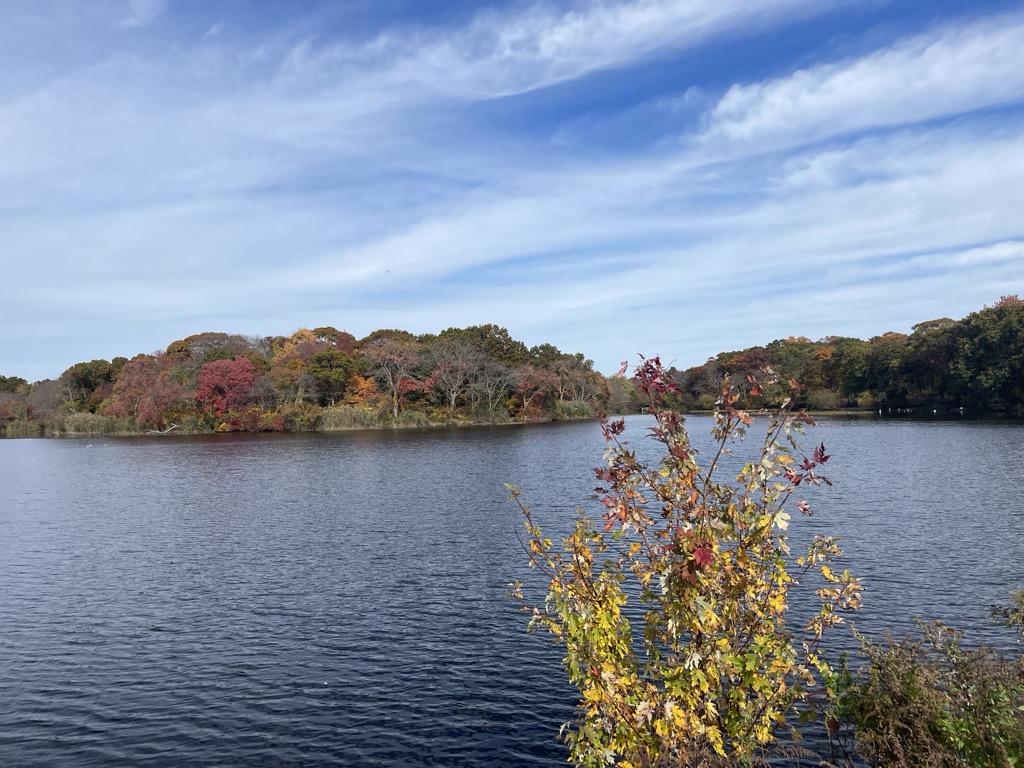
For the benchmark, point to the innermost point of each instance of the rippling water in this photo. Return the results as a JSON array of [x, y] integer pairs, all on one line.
[[338, 599]]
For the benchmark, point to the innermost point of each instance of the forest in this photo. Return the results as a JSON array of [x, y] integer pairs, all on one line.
[[325, 379], [319, 379], [972, 365]]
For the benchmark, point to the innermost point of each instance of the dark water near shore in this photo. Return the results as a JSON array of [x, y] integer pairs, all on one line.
[[337, 599]]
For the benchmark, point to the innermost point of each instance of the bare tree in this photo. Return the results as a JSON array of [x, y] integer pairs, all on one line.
[[394, 363], [455, 366], [494, 382]]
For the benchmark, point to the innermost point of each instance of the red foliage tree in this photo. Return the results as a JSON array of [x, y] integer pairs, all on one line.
[[225, 385], [148, 391]]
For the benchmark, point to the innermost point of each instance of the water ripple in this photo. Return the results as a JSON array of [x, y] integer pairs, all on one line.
[[338, 599]]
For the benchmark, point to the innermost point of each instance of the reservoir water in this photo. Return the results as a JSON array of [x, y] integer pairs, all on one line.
[[337, 599]]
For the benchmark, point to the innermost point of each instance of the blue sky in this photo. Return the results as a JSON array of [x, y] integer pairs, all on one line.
[[656, 176]]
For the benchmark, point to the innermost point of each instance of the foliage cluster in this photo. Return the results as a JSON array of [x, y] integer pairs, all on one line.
[[976, 364], [672, 612], [314, 379], [931, 703]]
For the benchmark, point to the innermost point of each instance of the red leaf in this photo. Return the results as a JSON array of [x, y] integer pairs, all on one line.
[[703, 556]]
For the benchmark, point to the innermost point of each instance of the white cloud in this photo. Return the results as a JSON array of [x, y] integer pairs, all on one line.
[[950, 71], [1012, 250], [499, 54]]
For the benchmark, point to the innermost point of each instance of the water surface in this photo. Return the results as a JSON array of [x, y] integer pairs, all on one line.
[[338, 598]]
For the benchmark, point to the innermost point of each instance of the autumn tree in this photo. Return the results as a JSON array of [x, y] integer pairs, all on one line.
[[494, 383], [672, 610], [225, 385], [454, 367], [361, 390], [148, 391], [395, 363], [209, 346], [289, 373], [533, 385], [12, 407], [340, 340]]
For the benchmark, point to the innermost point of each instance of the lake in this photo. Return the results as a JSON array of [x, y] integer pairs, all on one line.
[[319, 599]]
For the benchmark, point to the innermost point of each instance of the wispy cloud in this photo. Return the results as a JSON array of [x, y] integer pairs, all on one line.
[[948, 71], [143, 12], [501, 53]]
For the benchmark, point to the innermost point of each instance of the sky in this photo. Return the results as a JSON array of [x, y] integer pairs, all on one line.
[[657, 177]]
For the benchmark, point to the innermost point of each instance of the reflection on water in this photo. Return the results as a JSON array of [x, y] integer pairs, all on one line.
[[319, 599]]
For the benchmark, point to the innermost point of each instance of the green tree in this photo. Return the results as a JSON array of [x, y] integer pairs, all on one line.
[[14, 384], [85, 385], [331, 369], [987, 365]]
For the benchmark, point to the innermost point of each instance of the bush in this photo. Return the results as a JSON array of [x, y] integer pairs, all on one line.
[[191, 423], [929, 702], [94, 424], [1011, 615], [340, 417], [573, 410], [21, 428], [823, 400], [290, 418], [411, 418], [672, 611], [867, 399]]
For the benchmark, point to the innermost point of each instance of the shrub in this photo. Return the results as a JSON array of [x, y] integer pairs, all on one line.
[[341, 417], [929, 702], [1012, 615], [289, 417], [411, 418], [21, 428], [672, 611], [191, 422], [93, 424], [573, 410], [823, 400]]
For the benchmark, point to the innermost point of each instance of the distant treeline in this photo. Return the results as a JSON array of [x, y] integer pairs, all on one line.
[[327, 379], [975, 364], [314, 379]]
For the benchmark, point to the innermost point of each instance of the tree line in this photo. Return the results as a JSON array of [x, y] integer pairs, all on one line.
[[322, 378], [327, 379], [975, 364]]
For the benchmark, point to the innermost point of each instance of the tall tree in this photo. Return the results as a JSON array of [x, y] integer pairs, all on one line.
[[331, 369], [395, 363], [454, 368], [494, 383]]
